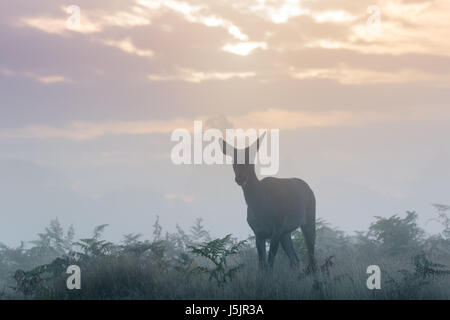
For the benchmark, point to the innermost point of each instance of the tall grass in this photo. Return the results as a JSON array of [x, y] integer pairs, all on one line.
[[192, 265]]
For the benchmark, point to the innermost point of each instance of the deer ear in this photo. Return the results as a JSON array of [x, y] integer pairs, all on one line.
[[226, 148], [250, 151], [258, 142]]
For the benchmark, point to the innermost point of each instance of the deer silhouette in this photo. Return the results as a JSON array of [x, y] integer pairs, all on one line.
[[275, 208]]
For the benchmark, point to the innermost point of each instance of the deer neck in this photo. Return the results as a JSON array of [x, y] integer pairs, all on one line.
[[250, 189]]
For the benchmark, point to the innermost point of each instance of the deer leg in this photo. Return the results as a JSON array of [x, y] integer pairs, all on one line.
[[309, 234], [288, 247], [261, 247], [291, 246], [274, 244]]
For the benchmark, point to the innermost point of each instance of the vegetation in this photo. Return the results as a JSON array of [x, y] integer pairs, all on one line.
[[217, 252], [192, 265]]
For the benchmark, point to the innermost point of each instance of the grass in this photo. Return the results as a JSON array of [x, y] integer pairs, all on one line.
[[192, 266]]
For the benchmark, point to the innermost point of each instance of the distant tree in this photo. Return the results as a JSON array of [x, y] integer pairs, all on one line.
[[55, 238], [396, 235], [11, 258]]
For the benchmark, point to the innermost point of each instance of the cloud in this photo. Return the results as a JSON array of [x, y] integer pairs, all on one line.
[[291, 120], [189, 58], [194, 76], [51, 79], [348, 75], [59, 25], [268, 119], [244, 48], [404, 27], [91, 20], [334, 16], [195, 14], [45, 79], [417, 26], [127, 46], [87, 130], [279, 11]]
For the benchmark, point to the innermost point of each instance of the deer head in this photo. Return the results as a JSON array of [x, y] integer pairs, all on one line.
[[243, 161]]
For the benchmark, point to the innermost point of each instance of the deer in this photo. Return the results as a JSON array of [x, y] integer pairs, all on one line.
[[275, 208]]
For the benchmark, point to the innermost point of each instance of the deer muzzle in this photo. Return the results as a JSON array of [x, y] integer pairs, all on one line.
[[241, 181]]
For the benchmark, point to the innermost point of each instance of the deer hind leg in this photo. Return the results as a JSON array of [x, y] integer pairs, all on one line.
[[261, 247], [288, 247], [309, 234]]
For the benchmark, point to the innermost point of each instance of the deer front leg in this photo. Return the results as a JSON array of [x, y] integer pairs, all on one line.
[[274, 244], [261, 247]]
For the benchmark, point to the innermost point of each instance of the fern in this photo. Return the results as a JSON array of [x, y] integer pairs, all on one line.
[[217, 252], [94, 246]]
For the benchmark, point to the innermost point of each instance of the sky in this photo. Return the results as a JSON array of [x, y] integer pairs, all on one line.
[[358, 89]]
